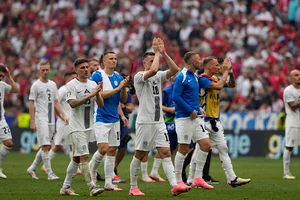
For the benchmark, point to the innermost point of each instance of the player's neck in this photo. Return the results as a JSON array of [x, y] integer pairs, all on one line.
[[82, 79], [297, 86], [44, 80], [191, 68], [207, 73], [108, 71]]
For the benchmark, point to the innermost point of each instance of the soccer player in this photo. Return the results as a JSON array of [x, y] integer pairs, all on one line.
[[124, 110], [210, 86], [189, 120], [169, 109], [62, 133], [107, 125], [5, 134], [43, 100], [150, 128], [93, 66], [291, 97], [81, 96]]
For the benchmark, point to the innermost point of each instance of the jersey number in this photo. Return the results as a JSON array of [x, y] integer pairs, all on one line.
[[155, 89], [167, 137], [49, 97], [6, 130]]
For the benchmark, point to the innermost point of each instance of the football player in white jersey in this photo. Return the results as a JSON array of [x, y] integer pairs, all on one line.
[[43, 101], [5, 134], [81, 95], [62, 133], [150, 127], [291, 97]]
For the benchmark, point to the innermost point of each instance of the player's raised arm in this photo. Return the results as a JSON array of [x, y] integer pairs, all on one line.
[[154, 67]]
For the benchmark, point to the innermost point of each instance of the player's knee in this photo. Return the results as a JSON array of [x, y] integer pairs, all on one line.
[[222, 148], [111, 151], [163, 152], [205, 145], [102, 148]]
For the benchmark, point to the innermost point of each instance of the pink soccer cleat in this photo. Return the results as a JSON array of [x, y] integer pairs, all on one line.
[[136, 192], [199, 182]]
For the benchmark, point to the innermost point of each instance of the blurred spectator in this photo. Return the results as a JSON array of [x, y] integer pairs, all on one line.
[[261, 37]]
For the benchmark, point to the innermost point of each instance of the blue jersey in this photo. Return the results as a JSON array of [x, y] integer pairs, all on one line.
[[167, 100], [186, 94], [109, 112]]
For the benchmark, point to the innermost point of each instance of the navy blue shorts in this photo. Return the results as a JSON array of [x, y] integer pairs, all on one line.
[[173, 141], [124, 132]]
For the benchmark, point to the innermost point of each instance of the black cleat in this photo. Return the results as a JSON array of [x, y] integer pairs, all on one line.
[[99, 178]]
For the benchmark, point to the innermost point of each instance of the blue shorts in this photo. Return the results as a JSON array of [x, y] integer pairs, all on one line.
[[124, 132], [173, 141]]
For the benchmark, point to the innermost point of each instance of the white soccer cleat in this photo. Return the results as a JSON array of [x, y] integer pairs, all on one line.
[[2, 175], [32, 174], [239, 181], [52, 177], [289, 176], [94, 191], [68, 191], [157, 178], [147, 179]]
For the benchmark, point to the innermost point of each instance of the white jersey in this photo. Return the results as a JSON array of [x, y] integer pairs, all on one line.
[[62, 91], [4, 88], [81, 117], [44, 95], [150, 97], [291, 94]]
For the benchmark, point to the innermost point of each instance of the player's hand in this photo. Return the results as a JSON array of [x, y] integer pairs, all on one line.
[[124, 120], [227, 64], [155, 45], [33, 127], [97, 89], [8, 72], [66, 120], [193, 115], [203, 112], [124, 83], [161, 46]]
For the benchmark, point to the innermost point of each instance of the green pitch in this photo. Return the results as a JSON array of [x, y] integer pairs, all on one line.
[[266, 176]]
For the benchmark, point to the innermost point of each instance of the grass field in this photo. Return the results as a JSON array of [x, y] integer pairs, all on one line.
[[266, 175]]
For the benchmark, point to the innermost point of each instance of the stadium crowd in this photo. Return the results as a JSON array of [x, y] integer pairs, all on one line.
[[261, 37]]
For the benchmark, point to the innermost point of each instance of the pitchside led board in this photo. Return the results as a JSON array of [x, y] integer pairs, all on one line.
[[247, 134]]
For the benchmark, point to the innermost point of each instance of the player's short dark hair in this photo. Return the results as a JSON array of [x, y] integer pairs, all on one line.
[[92, 59], [2, 68], [148, 54], [108, 52], [208, 59], [101, 59], [220, 60], [187, 57], [69, 74], [80, 61]]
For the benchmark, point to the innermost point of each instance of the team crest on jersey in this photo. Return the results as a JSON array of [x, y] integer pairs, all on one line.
[[84, 147], [47, 90], [116, 83], [86, 91], [145, 143], [186, 137], [68, 94], [155, 82]]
